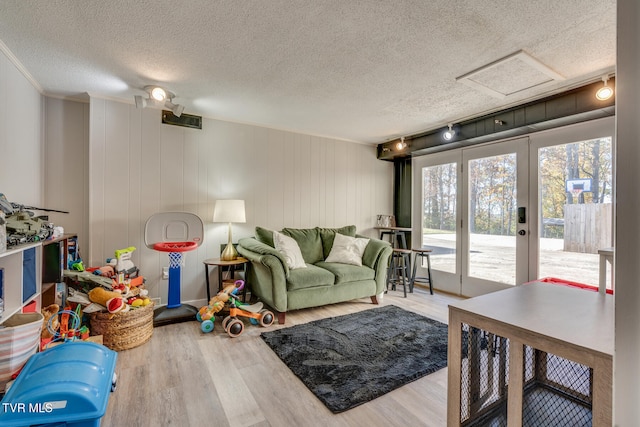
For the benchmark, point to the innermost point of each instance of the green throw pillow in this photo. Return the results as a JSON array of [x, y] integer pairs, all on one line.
[[328, 234], [265, 236], [309, 242]]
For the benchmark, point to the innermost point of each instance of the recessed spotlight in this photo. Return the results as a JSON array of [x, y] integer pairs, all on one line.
[[449, 134], [605, 92]]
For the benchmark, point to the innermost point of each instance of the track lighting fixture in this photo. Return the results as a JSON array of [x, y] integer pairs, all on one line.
[[401, 145], [449, 134], [159, 97], [605, 92]]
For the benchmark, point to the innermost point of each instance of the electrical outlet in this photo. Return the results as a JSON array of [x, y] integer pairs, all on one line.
[[156, 301], [165, 273]]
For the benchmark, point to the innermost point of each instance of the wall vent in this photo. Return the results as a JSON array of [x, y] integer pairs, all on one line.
[[185, 120]]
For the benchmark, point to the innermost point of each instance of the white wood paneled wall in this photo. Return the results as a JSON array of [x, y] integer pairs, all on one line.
[[66, 148], [21, 137], [138, 167]]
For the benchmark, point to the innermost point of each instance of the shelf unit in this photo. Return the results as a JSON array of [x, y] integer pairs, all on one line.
[[31, 271], [22, 278]]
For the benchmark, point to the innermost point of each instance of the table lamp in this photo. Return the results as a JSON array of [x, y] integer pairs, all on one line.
[[229, 211]]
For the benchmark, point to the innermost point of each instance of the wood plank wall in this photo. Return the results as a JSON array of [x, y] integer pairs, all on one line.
[[138, 167]]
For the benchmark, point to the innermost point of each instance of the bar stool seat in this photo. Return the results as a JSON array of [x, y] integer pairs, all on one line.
[[422, 253], [399, 269]]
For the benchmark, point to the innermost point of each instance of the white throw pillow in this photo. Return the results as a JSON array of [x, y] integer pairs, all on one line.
[[289, 248], [347, 250]]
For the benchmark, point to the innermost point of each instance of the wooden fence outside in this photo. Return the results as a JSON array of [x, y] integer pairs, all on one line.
[[587, 227]]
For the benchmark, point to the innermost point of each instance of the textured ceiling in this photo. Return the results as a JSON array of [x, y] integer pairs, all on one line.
[[360, 70]]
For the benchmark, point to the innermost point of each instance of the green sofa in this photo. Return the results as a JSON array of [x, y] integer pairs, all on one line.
[[320, 283]]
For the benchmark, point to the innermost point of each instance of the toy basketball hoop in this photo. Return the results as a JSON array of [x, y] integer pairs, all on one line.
[[174, 233], [175, 246]]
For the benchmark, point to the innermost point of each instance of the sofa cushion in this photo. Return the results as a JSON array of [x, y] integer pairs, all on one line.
[[346, 273], [288, 247], [347, 250], [265, 236], [309, 277], [309, 242], [327, 235]]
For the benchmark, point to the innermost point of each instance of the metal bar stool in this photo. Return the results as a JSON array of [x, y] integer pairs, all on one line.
[[422, 253], [399, 269]]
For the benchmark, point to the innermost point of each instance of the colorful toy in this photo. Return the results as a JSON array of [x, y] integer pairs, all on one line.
[[123, 261], [231, 324], [216, 304], [69, 329]]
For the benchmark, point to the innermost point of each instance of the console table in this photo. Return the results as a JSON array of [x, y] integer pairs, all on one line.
[[572, 324]]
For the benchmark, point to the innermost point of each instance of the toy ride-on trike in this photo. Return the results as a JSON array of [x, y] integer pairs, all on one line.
[[231, 324]]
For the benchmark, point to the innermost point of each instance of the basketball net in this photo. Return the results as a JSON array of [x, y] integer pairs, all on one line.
[[576, 193], [176, 260]]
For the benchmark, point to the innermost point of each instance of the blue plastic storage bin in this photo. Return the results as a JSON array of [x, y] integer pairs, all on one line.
[[67, 385]]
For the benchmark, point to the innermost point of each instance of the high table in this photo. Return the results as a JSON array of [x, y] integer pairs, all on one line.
[[396, 235], [574, 324], [606, 256]]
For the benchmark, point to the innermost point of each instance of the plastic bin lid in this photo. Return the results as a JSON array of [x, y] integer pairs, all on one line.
[[70, 382]]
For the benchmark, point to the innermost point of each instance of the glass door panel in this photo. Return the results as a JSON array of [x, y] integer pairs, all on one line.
[[495, 229], [575, 184], [439, 214], [493, 218]]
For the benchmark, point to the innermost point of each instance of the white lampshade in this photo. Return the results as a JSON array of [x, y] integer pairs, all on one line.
[[229, 211]]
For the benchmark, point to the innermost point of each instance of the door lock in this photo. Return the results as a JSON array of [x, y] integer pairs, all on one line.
[[522, 232]]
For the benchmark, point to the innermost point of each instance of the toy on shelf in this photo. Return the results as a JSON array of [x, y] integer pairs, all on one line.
[[231, 324]]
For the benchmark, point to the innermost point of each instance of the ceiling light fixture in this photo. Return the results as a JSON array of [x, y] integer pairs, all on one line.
[[159, 97], [158, 93], [605, 92], [449, 134], [401, 145]]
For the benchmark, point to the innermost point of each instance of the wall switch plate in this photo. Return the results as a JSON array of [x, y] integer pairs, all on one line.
[[165, 273]]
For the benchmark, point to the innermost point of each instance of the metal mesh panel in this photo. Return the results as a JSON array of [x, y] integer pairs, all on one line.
[[557, 393], [485, 372]]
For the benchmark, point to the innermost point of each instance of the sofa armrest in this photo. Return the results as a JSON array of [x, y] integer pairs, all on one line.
[[253, 250], [374, 251], [268, 274], [377, 255]]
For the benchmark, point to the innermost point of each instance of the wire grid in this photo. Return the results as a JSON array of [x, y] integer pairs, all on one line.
[[484, 380], [176, 260], [558, 391]]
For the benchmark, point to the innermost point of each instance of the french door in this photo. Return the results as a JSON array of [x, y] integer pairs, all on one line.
[[502, 214], [494, 225]]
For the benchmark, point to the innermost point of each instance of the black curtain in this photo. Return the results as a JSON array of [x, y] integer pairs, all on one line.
[[402, 194]]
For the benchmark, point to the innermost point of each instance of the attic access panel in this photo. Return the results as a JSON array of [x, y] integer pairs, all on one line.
[[510, 75]]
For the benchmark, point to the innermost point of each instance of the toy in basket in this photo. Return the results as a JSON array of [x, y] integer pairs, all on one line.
[[231, 324]]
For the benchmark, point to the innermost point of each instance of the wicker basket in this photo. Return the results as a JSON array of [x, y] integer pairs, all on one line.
[[122, 331]]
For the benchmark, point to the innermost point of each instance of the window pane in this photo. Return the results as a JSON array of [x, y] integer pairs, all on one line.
[[575, 209], [492, 218], [439, 209]]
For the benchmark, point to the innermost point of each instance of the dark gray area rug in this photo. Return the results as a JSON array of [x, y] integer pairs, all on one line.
[[352, 359]]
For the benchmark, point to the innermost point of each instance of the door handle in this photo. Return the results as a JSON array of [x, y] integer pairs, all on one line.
[[522, 232]]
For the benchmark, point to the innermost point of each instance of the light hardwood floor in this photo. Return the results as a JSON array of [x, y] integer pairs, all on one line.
[[183, 377]]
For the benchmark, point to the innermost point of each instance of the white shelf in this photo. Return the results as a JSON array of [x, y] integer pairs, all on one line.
[[12, 262]]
